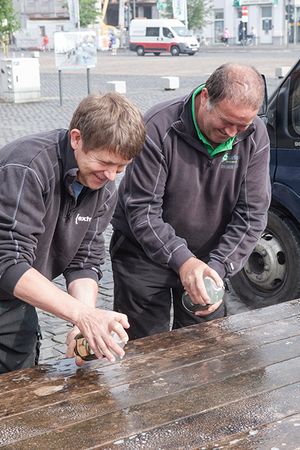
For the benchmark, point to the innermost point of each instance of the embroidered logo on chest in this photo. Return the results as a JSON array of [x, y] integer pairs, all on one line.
[[80, 218]]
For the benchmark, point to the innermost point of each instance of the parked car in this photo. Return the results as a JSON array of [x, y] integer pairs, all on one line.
[[272, 273]]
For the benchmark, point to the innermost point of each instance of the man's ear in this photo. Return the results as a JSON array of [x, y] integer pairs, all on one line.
[[75, 137], [204, 95]]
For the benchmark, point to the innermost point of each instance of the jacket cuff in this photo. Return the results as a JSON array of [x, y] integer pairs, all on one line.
[[12, 275], [218, 267], [71, 275], [180, 256]]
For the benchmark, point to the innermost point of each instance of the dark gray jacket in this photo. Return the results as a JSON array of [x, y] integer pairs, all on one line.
[[176, 201], [41, 223]]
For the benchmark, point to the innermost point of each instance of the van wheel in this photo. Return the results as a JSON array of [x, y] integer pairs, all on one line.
[[140, 51], [272, 272], [174, 51], [156, 53], [191, 54]]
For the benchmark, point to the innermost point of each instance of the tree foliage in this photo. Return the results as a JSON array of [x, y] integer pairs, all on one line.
[[8, 23], [88, 12], [198, 11]]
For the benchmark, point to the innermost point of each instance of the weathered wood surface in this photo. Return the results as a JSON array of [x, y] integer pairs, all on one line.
[[232, 383]]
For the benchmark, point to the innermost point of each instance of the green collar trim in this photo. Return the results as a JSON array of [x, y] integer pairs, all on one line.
[[224, 146]]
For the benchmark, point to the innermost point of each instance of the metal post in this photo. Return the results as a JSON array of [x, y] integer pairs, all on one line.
[[60, 87], [121, 14], [295, 23], [88, 80]]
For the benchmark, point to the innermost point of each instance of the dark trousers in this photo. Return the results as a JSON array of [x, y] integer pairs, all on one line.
[[145, 291], [19, 335]]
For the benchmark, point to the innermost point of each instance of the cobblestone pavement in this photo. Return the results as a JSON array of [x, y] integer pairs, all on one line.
[[144, 86]]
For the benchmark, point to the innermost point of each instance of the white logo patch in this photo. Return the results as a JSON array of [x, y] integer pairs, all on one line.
[[80, 218]]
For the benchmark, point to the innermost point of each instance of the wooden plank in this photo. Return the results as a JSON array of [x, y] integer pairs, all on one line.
[[171, 374], [150, 386], [98, 377], [160, 342], [276, 435], [134, 409], [203, 430]]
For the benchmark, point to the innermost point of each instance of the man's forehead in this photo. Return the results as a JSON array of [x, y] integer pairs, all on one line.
[[238, 112], [109, 156]]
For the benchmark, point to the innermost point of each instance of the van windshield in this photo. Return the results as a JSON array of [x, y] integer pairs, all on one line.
[[182, 31]]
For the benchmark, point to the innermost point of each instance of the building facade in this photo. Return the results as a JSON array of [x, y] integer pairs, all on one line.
[[274, 22], [39, 18]]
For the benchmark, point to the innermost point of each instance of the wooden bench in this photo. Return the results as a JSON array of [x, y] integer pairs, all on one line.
[[232, 383]]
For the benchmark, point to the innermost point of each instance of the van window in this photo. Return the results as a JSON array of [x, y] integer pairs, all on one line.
[[182, 31], [295, 102], [152, 31], [167, 33]]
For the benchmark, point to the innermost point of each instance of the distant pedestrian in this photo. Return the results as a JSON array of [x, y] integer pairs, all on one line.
[[45, 43], [112, 42], [226, 36], [241, 32], [253, 35]]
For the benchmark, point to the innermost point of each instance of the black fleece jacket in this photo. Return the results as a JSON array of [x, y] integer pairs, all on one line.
[[42, 225], [176, 201]]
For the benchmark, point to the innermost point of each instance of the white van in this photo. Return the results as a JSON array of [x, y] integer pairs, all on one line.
[[161, 35]]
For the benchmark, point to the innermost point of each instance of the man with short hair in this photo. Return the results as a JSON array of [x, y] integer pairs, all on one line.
[[57, 196], [193, 203]]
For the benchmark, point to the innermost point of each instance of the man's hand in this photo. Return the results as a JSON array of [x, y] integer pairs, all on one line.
[[76, 306], [97, 326], [71, 343], [192, 274]]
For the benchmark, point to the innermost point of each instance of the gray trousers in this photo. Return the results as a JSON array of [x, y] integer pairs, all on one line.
[[19, 335], [146, 291]]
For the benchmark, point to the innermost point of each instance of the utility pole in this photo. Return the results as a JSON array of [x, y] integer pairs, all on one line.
[[73, 6], [289, 19], [295, 23], [133, 9]]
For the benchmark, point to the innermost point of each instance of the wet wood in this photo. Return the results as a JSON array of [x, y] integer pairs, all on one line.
[[232, 383]]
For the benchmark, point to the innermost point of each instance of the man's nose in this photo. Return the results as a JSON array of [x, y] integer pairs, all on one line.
[[231, 130], [110, 174]]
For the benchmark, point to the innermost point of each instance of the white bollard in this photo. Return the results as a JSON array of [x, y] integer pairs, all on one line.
[[118, 86], [281, 72], [170, 83]]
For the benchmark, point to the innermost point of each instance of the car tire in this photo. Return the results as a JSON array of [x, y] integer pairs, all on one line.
[[272, 272], [175, 51], [140, 51]]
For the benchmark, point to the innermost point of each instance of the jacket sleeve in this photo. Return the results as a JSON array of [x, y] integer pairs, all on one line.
[[21, 220], [143, 190], [250, 215], [91, 253]]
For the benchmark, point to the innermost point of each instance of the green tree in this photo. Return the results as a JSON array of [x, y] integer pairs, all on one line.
[[88, 12], [8, 23], [198, 11]]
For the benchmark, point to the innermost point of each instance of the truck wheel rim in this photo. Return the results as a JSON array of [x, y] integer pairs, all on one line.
[[266, 266]]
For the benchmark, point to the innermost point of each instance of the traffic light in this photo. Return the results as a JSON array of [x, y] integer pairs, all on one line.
[[289, 9]]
